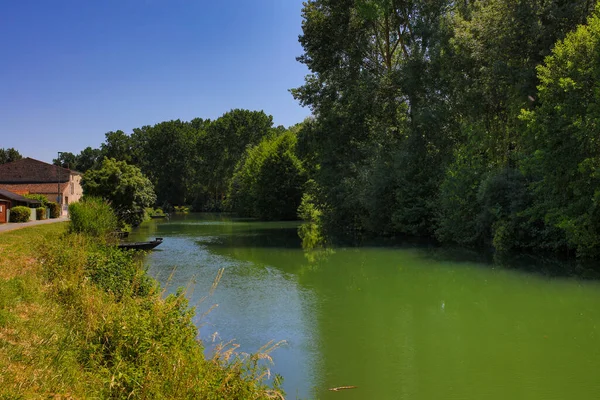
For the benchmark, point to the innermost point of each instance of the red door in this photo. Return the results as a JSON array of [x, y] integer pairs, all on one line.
[[2, 212]]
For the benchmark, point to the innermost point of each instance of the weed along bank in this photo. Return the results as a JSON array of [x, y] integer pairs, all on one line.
[[80, 318]]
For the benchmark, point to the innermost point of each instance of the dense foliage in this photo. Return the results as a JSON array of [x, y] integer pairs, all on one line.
[[124, 186], [20, 214], [92, 216], [40, 213], [39, 197], [54, 209], [419, 127], [9, 155], [188, 163], [269, 181], [84, 320]]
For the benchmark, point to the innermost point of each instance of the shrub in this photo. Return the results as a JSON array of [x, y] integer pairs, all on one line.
[[40, 213], [54, 209], [92, 216], [118, 272], [39, 197], [20, 214]]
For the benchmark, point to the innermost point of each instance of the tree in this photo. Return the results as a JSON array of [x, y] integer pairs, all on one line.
[[9, 155], [380, 101], [66, 160], [127, 189], [223, 145], [269, 181], [89, 158], [562, 141], [118, 145]]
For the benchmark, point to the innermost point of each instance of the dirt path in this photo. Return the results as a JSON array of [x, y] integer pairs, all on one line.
[[11, 226]]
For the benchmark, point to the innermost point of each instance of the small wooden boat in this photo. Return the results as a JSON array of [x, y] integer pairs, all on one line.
[[121, 234], [140, 245]]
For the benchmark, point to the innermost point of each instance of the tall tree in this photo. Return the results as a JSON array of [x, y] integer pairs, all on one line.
[[223, 145], [563, 141]]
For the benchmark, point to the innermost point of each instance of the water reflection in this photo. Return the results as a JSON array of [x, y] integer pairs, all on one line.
[[411, 323]]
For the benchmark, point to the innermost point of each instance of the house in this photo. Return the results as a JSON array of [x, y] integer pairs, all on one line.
[[9, 200], [29, 176]]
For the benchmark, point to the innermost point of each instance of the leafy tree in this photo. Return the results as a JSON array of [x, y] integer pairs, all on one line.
[[167, 154], [118, 145], [66, 160], [9, 155], [87, 159], [124, 186], [268, 183], [562, 140], [224, 144]]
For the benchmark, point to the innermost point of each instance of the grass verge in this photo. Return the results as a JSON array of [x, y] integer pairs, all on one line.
[[79, 319]]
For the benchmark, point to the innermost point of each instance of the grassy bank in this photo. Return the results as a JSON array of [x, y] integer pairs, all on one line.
[[79, 319]]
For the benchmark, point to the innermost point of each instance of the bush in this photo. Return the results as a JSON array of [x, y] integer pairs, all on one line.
[[39, 197], [92, 216], [40, 213], [54, 209], [20, 214], [118, 272]]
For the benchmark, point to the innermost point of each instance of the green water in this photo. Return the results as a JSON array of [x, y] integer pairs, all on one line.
[[398, 323]]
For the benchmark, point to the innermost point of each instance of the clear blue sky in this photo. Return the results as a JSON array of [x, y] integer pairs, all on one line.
[[72, 70]]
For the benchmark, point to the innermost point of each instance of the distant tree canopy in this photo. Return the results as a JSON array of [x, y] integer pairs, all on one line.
[[9, 155], [124, 186], [472, 122]]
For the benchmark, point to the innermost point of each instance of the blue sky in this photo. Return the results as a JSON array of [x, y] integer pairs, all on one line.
[[72, 70]]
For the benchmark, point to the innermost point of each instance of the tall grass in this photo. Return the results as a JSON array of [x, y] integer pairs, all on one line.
[[92, 216], [84, 320]]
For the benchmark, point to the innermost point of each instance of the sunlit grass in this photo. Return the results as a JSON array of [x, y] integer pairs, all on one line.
[[62, 335]]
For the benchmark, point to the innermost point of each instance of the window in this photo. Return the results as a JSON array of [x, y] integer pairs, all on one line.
[[72, 188]]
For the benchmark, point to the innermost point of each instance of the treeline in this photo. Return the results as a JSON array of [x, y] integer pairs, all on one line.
[[9, 155], [474, 122], [193, 163]]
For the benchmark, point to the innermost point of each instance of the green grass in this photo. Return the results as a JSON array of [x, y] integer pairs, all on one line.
[[83, 320]]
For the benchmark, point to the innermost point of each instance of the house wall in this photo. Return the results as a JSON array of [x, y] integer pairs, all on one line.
[[74, 191]]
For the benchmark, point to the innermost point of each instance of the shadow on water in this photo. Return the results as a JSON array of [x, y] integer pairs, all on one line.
[[221, 232]]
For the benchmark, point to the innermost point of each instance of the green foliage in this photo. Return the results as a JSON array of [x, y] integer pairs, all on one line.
[[39, 197], [40, 213], [118, 272], [92, 216], [268, 182], [561, 141], [183, 209], [9, 155], [124, 186], [54, 209], [105, 331], [20, 214]]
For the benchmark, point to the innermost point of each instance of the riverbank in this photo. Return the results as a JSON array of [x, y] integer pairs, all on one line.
[[82, 320]]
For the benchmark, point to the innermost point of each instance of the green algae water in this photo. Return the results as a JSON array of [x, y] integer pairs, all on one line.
[[396, 322]]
